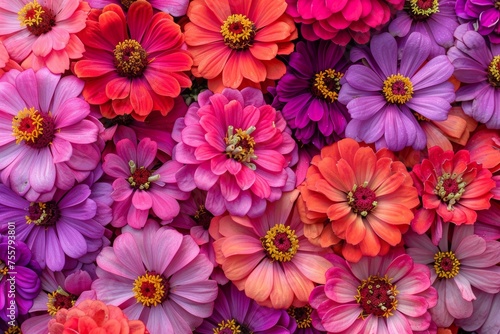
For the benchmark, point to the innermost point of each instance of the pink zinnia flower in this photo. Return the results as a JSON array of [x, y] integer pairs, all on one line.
[[158, 276], [139, 186], [6, 63], [383, 295], [469, 261], [46, 142], [269, 257], [236, 148], [43, 33]]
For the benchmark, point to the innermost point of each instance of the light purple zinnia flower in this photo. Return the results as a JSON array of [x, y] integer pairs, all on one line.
[[234, 312], [434, 18], [386, 96], [483, 15], [469, 261], [484, 318], [309, 91], [477, 67]]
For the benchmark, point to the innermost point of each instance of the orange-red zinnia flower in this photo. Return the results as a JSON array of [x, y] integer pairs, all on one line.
[[235, 43], [359, 196]]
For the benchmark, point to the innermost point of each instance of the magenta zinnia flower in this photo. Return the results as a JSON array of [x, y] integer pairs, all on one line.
[[469, 261], [383, 295], [158, 276], [236, 148], [46, 142], [139, 186], [386, 96]]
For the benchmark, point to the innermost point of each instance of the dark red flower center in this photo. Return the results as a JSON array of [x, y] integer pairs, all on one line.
[[362, 200], [126, 3], [140, 178], [203, 217], [60, 299], [446, 264], [450, 188], [420, 10], [37, 19], [36, 129], [43, 214], [238, 32], [151, 289], [130, 59], [302, 315], [240, 146], [326, 85], [280, 243], [377, 296], [397, 89]]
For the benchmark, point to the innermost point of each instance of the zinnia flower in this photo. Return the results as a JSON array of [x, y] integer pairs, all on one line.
[[385, 96], [236, 313], [341, 20], [172, 7], [19, 276], [483, 319], [94, 316], [158, 276], [139, 186], [46, 142], [137, 72], [235, 44], [469, 261], [354, 194], [236, 148], [43, 33], [269, 257], [484, 17], [477, 66], [309, 91], [384, 295]]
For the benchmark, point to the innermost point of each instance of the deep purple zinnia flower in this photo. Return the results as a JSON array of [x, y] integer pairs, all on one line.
[[385, 97], [54, 229], [434, 18], [477, 67], [484, 16], [236, 313], [19, 276], [310, 90]]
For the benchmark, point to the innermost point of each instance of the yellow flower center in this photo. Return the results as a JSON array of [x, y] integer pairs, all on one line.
[[377, 296], [141, 178], [362, 199], [280, 243], [326, 85], [420, 118], [150, 289], [302, 315], [494, 72], [231, 327], [240, 145], [37, 19], [238, 32], [131, 59], [4, 270], [42, 214], [446, 264], [450, 188], [59, 299], [422, 9], [397, 89], [35, 128], [13, 330]]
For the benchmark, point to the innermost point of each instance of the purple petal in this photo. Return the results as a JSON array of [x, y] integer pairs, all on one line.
[[415, 52], [385, 51]]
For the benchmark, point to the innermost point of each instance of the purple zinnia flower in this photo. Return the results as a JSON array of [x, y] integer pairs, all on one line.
[[54, 229], [19, 277], [484, 16], [385, 97], [434, 18], [234, 312], [477, 66], [310, 90]]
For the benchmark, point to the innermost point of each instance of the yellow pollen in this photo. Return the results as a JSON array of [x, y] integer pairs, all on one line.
[[238, 31], [42, 206], [446, 264], [240, 146], [327, 84], [31, 14], [302, 315], [450, 188], [130, 58], [13, 330], [228, 324], [494, 72], [423, 8], [377, 296], [149, 289], [420, 118], [27, 125], [4, 270], [397, 89], [59, 299], [280, 243]]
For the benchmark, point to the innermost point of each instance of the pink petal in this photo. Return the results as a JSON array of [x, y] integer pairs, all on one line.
[[142, 200], [43, 174], [164, 206], [61, 150]]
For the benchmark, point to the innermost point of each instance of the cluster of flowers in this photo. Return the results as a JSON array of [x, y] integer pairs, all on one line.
[[249, 166]]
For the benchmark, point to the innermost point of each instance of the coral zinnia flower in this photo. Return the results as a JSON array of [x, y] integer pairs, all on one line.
[[389, 294], [235, 147], [137, 72], [365, 198], [43, 33], [46, 142], [158, 276], [383, 96], [235, 44], [269, 257]]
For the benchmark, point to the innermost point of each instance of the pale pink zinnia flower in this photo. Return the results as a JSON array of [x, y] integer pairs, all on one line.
[[157, 275], [469, 261], [383, 295], [43, 33], [236, 148]]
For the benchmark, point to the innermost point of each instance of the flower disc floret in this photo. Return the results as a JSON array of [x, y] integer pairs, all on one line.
[[362, 199], [450, 188], [35, 128], [494, 72], [150, 289], [302, 315], [130, 58], [228, 327], [446, 264], [37, 19], [423, 9], [397, 89], [240, 145], [326, 85], [238, 32], [43, 214], [280, 243], [377, 296], [59, 299]]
